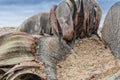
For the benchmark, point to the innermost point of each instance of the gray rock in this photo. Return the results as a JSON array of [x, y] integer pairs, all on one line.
[[37, 24], [50, 53], [111, 29]]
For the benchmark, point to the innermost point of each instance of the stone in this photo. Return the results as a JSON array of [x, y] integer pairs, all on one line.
[[16, 47], [50, 54], [111, 29], [37, 24]]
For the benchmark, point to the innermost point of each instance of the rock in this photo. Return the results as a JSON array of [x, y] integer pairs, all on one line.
[[50, 53], [111, 29], [37, 24], [87, 18], [16, 47], [29, 70]]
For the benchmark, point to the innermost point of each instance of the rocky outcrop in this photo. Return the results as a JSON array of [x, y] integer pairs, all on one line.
[[93, 62], [74, 19], [18, 55], [16, 47], [37, 24], [50, 53], [111, 29]]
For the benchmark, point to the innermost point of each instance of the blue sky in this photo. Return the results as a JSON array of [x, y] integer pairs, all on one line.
[[14, 12]]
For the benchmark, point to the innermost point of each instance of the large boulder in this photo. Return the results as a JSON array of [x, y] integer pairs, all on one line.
[[111, 29], [50, 53], [37, 24], [16, 47]]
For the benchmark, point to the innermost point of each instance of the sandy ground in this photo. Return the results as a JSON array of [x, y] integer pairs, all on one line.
[[93, 61]]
